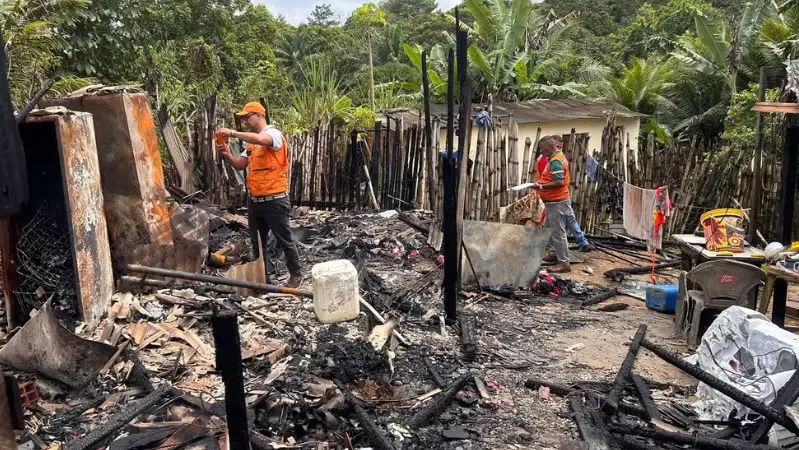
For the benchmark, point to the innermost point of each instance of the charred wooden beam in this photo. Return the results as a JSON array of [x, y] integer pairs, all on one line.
[[433, 373], [96, 437], [451, 257], [612, 400], [696, 440], [564, 391], [429, 413], [646, 398], [593, 436], [722, 386], [599, 298], [373, 433]]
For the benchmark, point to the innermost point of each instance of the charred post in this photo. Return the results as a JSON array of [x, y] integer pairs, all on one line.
[[612, 401], [646, 398], [721, 386], [228, 361], [450, 205]]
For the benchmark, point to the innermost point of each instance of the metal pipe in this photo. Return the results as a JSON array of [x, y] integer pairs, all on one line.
[[727, 389], [269, 288]]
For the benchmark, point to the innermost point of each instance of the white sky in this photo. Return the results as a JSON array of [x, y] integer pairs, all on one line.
[[297, 11]]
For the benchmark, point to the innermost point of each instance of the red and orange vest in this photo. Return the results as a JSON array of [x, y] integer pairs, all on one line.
[[561, 193], [268, 170]]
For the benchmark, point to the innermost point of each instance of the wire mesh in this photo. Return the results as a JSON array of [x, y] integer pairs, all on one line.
[[45, 265]]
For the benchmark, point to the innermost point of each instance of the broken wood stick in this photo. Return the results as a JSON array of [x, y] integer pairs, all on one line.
[[612, 400], [725, 388], [599, 298], [383, 321], [467, 338], [613, 307], [436, 377], [375, 436], [646, 398], [261, 287], [429, 413], [481, 388], [113, 359], [148, 403]]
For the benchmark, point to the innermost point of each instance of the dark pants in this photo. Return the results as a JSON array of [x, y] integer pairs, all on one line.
[[273, 215]]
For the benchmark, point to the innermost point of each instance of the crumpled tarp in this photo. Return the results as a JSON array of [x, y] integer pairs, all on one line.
[[745, 349]]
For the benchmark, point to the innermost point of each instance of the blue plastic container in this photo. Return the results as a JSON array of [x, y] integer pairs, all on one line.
[[662, 297]]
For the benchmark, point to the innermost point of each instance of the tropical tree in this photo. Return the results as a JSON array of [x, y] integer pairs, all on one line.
[[34, 34], [320, 97], [367, 18], [640, 86]]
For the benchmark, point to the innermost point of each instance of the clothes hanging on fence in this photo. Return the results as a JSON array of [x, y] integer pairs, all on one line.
[[643, 208], [592, 168], [662, 211]]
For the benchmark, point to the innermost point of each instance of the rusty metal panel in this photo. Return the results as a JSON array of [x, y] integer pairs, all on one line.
[[80, 172], [130, 167]]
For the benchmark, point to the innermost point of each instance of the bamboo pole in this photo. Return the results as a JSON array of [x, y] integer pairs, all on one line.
[[477, 170], [515, 176]]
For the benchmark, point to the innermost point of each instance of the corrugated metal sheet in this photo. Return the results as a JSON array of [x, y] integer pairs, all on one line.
[[542, 111], [13, 179]]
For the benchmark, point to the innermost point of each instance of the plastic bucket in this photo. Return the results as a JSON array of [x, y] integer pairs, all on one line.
[[724, 230], [662, 297]]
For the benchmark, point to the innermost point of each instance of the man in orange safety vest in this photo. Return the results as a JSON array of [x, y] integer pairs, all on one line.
[[267, 162]]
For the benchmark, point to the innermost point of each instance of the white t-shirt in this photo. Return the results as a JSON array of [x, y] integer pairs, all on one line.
[[277, 139]]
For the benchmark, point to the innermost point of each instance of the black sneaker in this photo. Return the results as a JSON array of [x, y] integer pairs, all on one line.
[[589, 247], [294, 281]]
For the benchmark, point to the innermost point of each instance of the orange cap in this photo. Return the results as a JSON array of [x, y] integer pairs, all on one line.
[[252, 107]]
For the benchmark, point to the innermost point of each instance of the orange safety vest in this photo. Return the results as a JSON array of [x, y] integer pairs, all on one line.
[[561, 193], [268, 170]]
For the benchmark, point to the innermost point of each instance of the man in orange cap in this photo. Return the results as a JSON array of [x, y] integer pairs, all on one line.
[[267, 161]]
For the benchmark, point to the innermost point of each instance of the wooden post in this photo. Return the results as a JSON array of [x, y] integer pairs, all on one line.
[[477, 170], [313, 164], [533, 157], [450, 203], [528, 144], [790, 158], [503, 172], [464, 124], [428, 137], [757, 178], [515, 176]]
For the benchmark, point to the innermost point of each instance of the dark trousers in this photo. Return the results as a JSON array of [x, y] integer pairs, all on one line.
[[273, 215]]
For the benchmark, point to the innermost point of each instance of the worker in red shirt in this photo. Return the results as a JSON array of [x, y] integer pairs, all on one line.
[[552, 185]]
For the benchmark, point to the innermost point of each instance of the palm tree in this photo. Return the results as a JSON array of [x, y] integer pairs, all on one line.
[[640, 87], [712, 52], [320, 96]]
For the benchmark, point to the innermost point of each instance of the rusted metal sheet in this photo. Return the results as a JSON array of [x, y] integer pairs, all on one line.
[[84, 200], [130, 167], [13, 180]]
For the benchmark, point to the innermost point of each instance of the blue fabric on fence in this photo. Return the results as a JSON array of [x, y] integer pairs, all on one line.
[[592, 168]]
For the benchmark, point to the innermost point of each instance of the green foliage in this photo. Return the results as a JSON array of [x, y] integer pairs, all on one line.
[[34, 35], [407, 9], [640, 86], [740, 123], [323, 16], [367, 16], [657, 29]]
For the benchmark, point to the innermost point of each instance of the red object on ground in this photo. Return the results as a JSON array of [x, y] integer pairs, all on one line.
[[28, 393]]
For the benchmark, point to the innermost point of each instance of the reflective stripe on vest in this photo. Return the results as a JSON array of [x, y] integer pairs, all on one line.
[[267, 171], [561, 193]]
